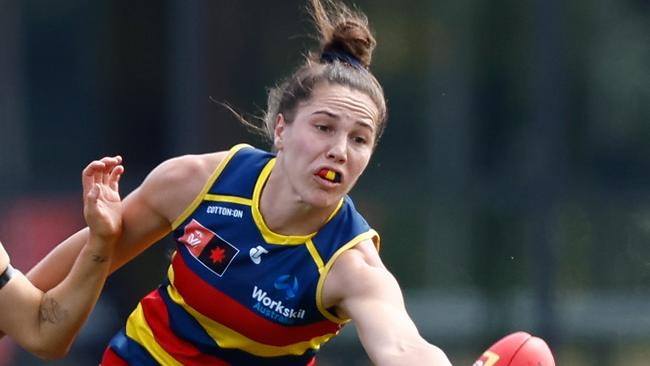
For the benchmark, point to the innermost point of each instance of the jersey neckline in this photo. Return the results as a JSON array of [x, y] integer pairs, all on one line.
[[269, 235]]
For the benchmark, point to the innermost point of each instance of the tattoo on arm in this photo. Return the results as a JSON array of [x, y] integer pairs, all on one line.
[[51, 311], [99, 258]]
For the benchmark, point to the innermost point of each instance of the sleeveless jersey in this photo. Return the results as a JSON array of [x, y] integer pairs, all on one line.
[[237, 293]]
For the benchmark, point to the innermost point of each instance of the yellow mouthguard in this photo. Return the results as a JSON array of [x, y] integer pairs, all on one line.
[[330, 175]]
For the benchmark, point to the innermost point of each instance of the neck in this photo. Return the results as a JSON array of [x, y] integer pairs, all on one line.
[[286, 214]]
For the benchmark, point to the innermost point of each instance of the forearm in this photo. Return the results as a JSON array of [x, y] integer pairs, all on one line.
[[400, 344], [48, 312], [55, 266], [65, 308]]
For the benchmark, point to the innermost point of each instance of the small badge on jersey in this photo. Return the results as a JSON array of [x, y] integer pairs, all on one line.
[[209, 248]]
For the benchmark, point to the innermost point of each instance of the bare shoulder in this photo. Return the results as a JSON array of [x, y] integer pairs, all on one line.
[[363, 264], [361, 257], [173, 185], [185, 167]]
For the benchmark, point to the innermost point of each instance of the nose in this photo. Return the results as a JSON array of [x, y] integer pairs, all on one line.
[[338, 150]]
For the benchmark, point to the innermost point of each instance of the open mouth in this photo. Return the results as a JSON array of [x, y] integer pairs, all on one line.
[[329, 175]]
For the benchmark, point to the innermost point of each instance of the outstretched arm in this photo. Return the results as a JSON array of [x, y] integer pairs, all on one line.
[[375, 304], [46, 323], [147, 216]]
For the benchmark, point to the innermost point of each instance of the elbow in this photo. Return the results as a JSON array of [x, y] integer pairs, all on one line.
[[48, 350], [422, 353], [439, 356], [52, 353]]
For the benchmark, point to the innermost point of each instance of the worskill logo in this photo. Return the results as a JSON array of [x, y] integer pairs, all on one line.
[[288, 284], [275, 309]]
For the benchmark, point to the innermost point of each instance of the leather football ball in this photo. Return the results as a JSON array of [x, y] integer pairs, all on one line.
[[517, 349]]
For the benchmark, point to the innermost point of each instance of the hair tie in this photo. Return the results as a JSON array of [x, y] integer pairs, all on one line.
[[341, 56]]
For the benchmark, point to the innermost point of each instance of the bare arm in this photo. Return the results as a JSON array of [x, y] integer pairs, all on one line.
[[375, 304], [147, 214], [46, 323]]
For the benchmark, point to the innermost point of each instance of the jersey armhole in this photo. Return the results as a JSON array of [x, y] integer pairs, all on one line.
[[324, 271]]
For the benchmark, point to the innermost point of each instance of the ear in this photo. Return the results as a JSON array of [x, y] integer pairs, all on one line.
[[278, 132]]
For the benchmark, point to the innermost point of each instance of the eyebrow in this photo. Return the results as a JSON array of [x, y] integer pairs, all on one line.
[[327, 113], [336, 116]]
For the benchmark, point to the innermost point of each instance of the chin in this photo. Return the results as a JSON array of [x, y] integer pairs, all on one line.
[[322, 200]]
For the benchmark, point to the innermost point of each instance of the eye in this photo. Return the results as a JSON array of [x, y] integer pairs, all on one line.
[[360, 140], [322, 127]]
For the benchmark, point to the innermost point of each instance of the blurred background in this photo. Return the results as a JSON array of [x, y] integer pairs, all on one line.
[[511, 188]]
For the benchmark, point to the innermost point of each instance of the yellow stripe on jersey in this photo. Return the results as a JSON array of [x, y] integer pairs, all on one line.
[[230, 199], [336, 210], [368, 235], [315, 255], [270, 236], [208, 184], [138, 329], [228, 338]]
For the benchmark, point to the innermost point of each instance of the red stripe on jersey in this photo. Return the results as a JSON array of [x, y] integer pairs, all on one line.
[[203, 297], [156, 315], [111, 359]]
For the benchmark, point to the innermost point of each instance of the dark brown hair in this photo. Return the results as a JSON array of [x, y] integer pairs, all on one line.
[[346, 45]]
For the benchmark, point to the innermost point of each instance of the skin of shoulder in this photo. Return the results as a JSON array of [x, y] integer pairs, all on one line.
[[175, 183], [361, 288], [361, 260]]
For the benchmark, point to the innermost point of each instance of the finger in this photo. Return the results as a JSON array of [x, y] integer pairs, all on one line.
[[93, 166], [88, 174], [112, 160], [114, 179], [106, 174], [99, 175], [111, 163]]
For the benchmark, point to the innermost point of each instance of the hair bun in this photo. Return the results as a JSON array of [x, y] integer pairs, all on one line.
[[342, 30]]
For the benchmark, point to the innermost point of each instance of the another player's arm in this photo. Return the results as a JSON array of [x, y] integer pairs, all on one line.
[[47, 323], [142, 225], [374, 302]]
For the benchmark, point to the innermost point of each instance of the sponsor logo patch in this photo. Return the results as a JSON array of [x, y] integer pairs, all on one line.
[[268, 305], [209, 248], [256, 254], [288, 284], [225, 211]]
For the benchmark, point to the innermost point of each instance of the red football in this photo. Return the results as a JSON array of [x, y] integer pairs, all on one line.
[[517, 349]]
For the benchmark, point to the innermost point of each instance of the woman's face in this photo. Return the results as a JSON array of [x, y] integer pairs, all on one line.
[[327, 146]]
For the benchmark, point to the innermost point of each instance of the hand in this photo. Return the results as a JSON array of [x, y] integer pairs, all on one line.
[[102, 203]]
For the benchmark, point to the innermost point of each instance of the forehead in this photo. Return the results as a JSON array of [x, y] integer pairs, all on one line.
[[343, 101]]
